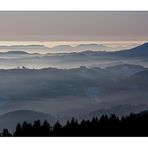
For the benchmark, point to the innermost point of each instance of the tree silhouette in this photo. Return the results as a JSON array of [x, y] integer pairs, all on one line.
[[18, 130], [6, 133], [57, 128], [132, 125], [46, 129]]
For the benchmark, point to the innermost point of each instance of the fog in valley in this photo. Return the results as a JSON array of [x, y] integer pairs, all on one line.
[[61, 85]]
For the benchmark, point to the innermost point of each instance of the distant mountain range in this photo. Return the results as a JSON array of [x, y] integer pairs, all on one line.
[[15, 52], [88, 82], [139, 51], [26, 48], [86, 49], [56, 90], [57, 49], [88, 57], [120, 110]]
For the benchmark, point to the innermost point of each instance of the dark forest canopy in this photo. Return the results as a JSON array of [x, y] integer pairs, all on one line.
[[132, 125]]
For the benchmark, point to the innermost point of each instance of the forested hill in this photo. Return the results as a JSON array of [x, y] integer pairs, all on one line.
[[132, 125]]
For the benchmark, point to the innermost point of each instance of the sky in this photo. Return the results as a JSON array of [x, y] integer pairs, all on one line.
[[73, 26]]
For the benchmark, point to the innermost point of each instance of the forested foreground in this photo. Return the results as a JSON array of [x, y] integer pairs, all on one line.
[[132, 125]]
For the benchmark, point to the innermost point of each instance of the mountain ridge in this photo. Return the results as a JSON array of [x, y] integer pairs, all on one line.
[[11, 118]]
